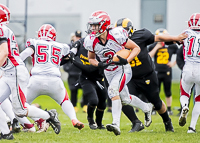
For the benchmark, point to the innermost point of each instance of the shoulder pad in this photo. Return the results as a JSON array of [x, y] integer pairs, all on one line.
[[88, 42]]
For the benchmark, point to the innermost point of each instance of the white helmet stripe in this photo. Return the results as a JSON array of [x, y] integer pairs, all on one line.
[[194, 17], [102, 14]]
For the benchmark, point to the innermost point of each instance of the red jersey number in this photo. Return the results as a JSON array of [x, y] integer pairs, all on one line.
[[43, 56]]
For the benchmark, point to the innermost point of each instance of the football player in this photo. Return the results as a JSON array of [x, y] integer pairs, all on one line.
[[104, 42], [162, 53], [45, 74], [144, 79], [73, 75], [190, 72], [15, 78], [92, 83]]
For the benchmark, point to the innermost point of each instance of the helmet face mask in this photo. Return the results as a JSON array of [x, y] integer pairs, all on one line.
[[47, 32], [100, 18], [126, 24], [194, 21], [4, 14]]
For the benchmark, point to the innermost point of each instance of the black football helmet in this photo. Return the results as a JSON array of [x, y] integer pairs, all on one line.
[[126, 24]]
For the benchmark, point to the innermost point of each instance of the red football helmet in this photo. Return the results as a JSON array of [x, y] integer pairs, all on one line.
[[4, 14], [47, 32], [194, 22], [100, 18]]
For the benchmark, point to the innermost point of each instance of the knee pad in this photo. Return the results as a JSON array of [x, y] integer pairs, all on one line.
[[112, 91]]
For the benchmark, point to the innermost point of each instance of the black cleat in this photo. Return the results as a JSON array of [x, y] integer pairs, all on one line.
[[113, 128], [137, 126], [15, 126], [92, 124], [54, 121], [169, 126], [101, 127], [191, 130], [8, 136]]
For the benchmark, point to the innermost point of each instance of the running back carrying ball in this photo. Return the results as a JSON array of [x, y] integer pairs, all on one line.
[[124, 53]]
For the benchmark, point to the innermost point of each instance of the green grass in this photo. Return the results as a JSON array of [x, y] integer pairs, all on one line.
[[153, 134]]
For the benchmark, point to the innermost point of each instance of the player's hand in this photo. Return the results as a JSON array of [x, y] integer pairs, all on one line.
[[71, 56], [121, 61], [103, 65], [181, 37]]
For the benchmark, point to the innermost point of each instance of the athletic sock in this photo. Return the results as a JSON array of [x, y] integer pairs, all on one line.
[[169, 108], [34, 112], [129, 112], [68, 109], [7, 108], [3, 124], [116, 111], [195, 115], [165, 116], [99, 117], [90, 112], [137, 102]]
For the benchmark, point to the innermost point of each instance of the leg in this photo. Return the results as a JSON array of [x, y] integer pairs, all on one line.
[[167, 88], [89, 90], [102, 96], [62, 99]]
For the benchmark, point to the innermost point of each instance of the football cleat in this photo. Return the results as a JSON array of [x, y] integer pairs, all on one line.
[[191, 130], [42, 125], [92, 124], [8, 136], [113, 128], [169, 126], [29, 129], [170, 112], [101, 127], [54, 121], [137, 126], [183, 116], [77, 124], [148, 119], [15, 126]]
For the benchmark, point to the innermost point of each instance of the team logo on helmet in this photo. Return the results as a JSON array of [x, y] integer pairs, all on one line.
[[47, 32], [194, 21], [4, 14]]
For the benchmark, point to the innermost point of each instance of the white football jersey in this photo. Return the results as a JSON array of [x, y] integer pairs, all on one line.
[[47, 56], [192, 46], [116, 39], [13, 59]]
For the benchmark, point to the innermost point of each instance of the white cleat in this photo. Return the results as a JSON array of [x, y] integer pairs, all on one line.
[[42, 125], [113, 128], [148, 114], [183, 116], [24, 129], [191, 130]]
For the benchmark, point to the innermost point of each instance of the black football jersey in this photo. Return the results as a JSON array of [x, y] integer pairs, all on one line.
[[142, 64], [163, 56], [82, 53]]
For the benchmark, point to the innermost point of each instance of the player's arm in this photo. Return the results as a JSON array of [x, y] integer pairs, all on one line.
[[3, 52], [87, 68], [168, 38], [135, 49], [26, 53], [92, 59]]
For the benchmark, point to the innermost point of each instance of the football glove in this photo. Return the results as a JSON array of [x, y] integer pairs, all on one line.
[[71, 56], [121, 61], [103, 65]]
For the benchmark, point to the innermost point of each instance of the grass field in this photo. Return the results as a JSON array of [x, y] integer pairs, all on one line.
[[153, 134]]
